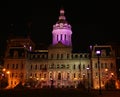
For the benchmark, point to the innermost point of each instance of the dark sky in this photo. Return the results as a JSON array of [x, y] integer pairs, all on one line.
[[92, 22]]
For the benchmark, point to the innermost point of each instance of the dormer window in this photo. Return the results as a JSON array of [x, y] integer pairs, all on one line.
[[103, 53]]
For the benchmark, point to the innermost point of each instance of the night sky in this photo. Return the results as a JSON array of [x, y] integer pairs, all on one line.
[[92, 22]]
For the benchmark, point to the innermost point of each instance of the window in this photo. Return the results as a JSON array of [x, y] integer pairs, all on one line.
[[45, 67], [40, 75], [21, 66], [67, 66], [52, 66], [61, 37], [11, 82], [36, 67], [16, 66], [21, 75], [101, 65], [7, 66], [96, 65], [31, 67], [80, 56], [12, 74], [44, 75], [65, 36], [72, 56], [57, 37], [61, 56], [13, 66], [88, 66], [76, 56], [35, 74], [79, 75], [43, 56], [57, 65], [79, 66], [62, 66], [83, 66], [33, 56], [85, 56], [31, 75], [40, 66], [51, 56], [96, 74], [111, 65], [59, 76], [16, 75], [38, 56], [50, 75], [68, 75], [57, 56], [73, 66], [67, 56], [105, 65], [74, 75]]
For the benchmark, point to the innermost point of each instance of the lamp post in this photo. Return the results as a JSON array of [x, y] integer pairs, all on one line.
[[8, 76], [98, 54], [84, 80], [91, 69], [106, 75], [88, 77]]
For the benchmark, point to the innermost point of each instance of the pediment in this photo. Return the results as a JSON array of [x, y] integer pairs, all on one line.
[[59, 45]]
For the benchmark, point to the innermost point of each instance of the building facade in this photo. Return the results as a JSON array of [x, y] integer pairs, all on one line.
[[57, 65]]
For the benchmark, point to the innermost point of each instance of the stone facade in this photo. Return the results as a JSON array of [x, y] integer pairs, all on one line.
[[57, 66]]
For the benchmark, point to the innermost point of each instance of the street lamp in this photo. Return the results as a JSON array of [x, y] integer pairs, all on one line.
[[91, 69], [84, 79], [8, 76], [3, 69], [88, 77], [106, 75], [98, 54]]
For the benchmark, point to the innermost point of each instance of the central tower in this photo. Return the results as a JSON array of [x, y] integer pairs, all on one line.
[[62, 31]]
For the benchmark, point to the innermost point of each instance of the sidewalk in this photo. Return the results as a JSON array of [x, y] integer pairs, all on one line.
[[111, 93]]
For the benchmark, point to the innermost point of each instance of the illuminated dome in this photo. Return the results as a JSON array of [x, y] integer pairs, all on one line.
[[62, 30], [62, 21]]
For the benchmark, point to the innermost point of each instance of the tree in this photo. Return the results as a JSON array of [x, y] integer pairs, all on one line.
[[110, 84], [31, 82], [3, 82]]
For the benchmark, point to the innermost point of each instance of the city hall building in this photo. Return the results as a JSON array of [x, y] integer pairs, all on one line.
[[57, 65]]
